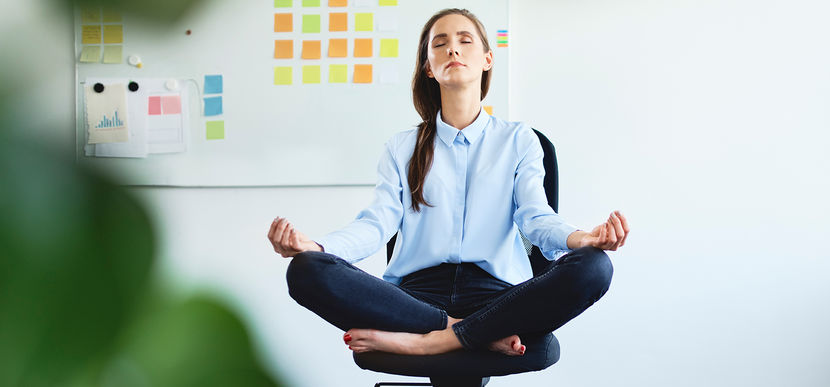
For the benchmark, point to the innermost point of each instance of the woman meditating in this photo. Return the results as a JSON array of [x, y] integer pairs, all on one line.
[[459, 188]]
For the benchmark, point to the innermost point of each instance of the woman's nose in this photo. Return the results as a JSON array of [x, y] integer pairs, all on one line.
[[451, 51]]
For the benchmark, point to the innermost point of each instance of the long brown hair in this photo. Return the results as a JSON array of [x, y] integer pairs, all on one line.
[[426, 96]]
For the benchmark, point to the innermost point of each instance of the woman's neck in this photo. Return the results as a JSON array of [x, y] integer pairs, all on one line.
[[460, 106]]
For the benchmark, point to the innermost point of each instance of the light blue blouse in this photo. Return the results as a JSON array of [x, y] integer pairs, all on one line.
[[485, 184]]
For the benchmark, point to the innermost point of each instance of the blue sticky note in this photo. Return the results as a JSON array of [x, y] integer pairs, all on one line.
[[213, 84], [213, 106]]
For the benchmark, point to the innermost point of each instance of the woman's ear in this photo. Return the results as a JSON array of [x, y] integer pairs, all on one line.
[[429, 70], [488, 60]]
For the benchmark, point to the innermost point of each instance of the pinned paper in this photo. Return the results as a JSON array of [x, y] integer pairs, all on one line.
[[90, 15], [282, 75], [311, 74], [111, 16], [338, 3], [387, 3], [389, 48], [113, 54], [91, 54], [171, 104], [362, 48], [363, 73], [338, 73], [338, 48], [311, 3], [213, 84], [283, 22], [282, 4], [154, 106], [113, 34], [91, 34], [106, 114], [215, 130], [338, 21], [311, 23], [283, 49], [363, 22], [488, 109], [213, 106], [311, 49]]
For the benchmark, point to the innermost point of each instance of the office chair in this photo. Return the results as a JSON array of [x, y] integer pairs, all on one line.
[[474, 368]]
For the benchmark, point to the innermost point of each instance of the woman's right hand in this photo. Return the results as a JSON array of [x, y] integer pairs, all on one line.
[[287, 241]]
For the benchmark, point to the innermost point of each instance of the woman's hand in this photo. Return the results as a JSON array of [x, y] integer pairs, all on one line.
[[287, 241], [609, 235]]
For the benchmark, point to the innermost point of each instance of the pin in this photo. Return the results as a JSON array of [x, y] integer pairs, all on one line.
[[171, 84], [133, 86], [135, 61], [98, 87]]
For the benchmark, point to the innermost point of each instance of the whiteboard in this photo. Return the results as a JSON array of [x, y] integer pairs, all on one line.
[[278, 135]]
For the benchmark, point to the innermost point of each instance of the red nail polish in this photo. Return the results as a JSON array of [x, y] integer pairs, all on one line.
[[347, 338]]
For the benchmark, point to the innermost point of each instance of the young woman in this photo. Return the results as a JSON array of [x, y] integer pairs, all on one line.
[[459, 188]]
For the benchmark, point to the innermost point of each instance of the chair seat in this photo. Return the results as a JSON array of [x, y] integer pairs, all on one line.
[[542, 351]]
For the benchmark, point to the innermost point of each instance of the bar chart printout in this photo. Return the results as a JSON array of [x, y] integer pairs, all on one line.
[[113, 122], [106, 113]]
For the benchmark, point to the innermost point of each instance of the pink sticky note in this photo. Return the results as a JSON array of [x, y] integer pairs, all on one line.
[[155, 106], [171, 104]]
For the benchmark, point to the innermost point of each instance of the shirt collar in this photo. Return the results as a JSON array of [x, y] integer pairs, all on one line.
[[471, 132]]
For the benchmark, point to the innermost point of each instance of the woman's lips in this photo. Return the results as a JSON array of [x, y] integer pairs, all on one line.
[[454, 64]]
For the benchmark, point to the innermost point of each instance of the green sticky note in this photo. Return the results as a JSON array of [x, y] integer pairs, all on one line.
[[363, 22], [388, 2], [311, 74], [338, 73], [282, 4], [311, 23], [91, 54], [311, 3], [282, 75], [113, 54], [389, 48], [215, 130]]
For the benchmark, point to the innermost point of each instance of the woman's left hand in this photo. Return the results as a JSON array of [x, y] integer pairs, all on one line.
[[609, 235]]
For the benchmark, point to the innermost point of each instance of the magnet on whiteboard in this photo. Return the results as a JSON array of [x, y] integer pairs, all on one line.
[[171, 84], [135, 61]]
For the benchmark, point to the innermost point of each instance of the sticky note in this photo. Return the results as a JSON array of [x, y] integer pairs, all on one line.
[[338, 21], [362, 48], [114, 33], [362, 3], [311, 23], [311, 49], [171, 104], [363, 73], [90, 15], [113, 54], [311, 3], [91, 54], [111, 16], [338, 73], [338, 48], [213, 106], [282, 75], [215, 130], [387, 73], [282, 4], [213, 84], [386, 3], [91, 34], [363, 22], [389, 48], [154, 104], [338, 3], [488, 109], [283, 22], [311, 74], [283, 49]]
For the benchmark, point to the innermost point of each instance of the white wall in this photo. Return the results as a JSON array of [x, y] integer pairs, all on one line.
[[704, 121]]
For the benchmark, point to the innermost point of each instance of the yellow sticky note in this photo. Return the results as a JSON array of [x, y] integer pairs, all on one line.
[[362, 48], [113, 54], [311, 74], [215, 130], [311, 3], [389, 48], [111, 16], [338, 3], [283, 49], [363, 73], [338, 21], [363, 22], [282, 75], [91, 34], [488, 109], [91, 54], [283, 22], [311, 23], [90, 15], [384, 3], [114, 33], [311, 49], [338, 48], [338, 73], [282, 3]]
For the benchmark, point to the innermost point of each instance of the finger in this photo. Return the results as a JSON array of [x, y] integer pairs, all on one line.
[[601, 239], [280, 228], [295, 239], [618, 229], [612, 233], [625, 227], [285, 241], [273, 229]]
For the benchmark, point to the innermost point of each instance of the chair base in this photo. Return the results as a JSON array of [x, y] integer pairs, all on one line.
[[443, 382]]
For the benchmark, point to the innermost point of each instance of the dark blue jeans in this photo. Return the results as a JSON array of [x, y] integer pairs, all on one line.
[[348, 297]]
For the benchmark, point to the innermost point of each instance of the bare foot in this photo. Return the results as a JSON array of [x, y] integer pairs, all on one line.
[[435, 342], [510, 345]]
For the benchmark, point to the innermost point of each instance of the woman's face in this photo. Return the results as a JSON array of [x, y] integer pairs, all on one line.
[[456, 54]]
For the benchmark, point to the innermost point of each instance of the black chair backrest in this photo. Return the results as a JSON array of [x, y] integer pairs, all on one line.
[[551, 183]]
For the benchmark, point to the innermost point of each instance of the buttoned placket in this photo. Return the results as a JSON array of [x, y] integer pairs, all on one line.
[[460, 147]]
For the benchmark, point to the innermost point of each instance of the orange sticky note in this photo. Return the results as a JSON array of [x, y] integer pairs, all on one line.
[[363, 73], [311, 49], [338, 48], [283, 49], [338, 21], [338, 3], [362, 48], [283, 22]]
